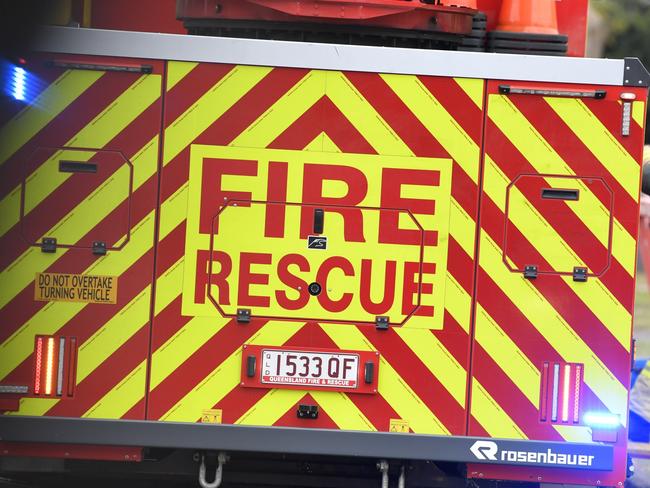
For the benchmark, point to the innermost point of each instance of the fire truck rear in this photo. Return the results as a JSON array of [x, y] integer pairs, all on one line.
[[297, 256]]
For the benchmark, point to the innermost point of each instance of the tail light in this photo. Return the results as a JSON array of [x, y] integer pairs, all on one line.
[[55, 360], [560, 395]]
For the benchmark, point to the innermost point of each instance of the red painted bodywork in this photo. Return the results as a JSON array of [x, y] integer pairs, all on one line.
[[71, 451], [160, 16]]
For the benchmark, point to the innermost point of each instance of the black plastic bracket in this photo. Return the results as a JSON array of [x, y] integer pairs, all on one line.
[[251, 365], [579, 274], [319, 221], [243, 315], [307, 411], [635, 74], [369, 372], [99, 248], [382, 322], [48, 244], [530, 272]]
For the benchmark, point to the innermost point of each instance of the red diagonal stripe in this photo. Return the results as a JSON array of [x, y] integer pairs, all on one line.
[[519, 329], [106, 377], [94, 316], [199, 365], [558, 214], [64, 127], [395, 112], [510, 398], [252, 105], [23, 306], [578, 156], [427, 386], [238, 401], [562, 298], [192, 87], [71, 193], [458, 104], [610, 114], [323, 116]]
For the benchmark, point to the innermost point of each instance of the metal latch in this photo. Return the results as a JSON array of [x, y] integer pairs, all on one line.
[[319, 220], [579, 274], [99, 248], [48, 244], [382, 322], [243, 315], [307, 411], [530, 272]]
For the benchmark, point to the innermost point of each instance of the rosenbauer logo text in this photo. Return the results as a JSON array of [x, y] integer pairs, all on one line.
[[489, 451]]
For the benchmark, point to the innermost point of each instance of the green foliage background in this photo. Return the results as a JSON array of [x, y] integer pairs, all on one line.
[[629, 24]]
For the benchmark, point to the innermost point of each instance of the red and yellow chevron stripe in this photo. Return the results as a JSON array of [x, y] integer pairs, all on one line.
[[522, 324], [474, 348], [197, 356], [111, 119]]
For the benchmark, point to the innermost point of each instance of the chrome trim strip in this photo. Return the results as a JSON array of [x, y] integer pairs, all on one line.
[[331, 56]]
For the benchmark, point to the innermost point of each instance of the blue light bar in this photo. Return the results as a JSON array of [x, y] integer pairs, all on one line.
[[602, 420], [19, 83]]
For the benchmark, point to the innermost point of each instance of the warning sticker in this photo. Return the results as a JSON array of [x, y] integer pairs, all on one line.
[[211, 416], [63, 287], [399, 425]]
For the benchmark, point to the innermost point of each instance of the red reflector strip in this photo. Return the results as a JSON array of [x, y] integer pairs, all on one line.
[[576, 398], [72, 365], [39, 362]]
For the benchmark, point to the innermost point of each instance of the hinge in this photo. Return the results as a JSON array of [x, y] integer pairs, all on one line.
[[530, 272], [99, 248], [579, 274], [48, 244], [243, 315], [382, 322]]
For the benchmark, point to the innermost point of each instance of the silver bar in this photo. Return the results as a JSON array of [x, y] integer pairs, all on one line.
[[59, 378], [556, 381], [627, 119], [20, 389], [256, 52]]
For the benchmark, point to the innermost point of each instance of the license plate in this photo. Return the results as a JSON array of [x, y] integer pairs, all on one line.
[[297, 368]]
